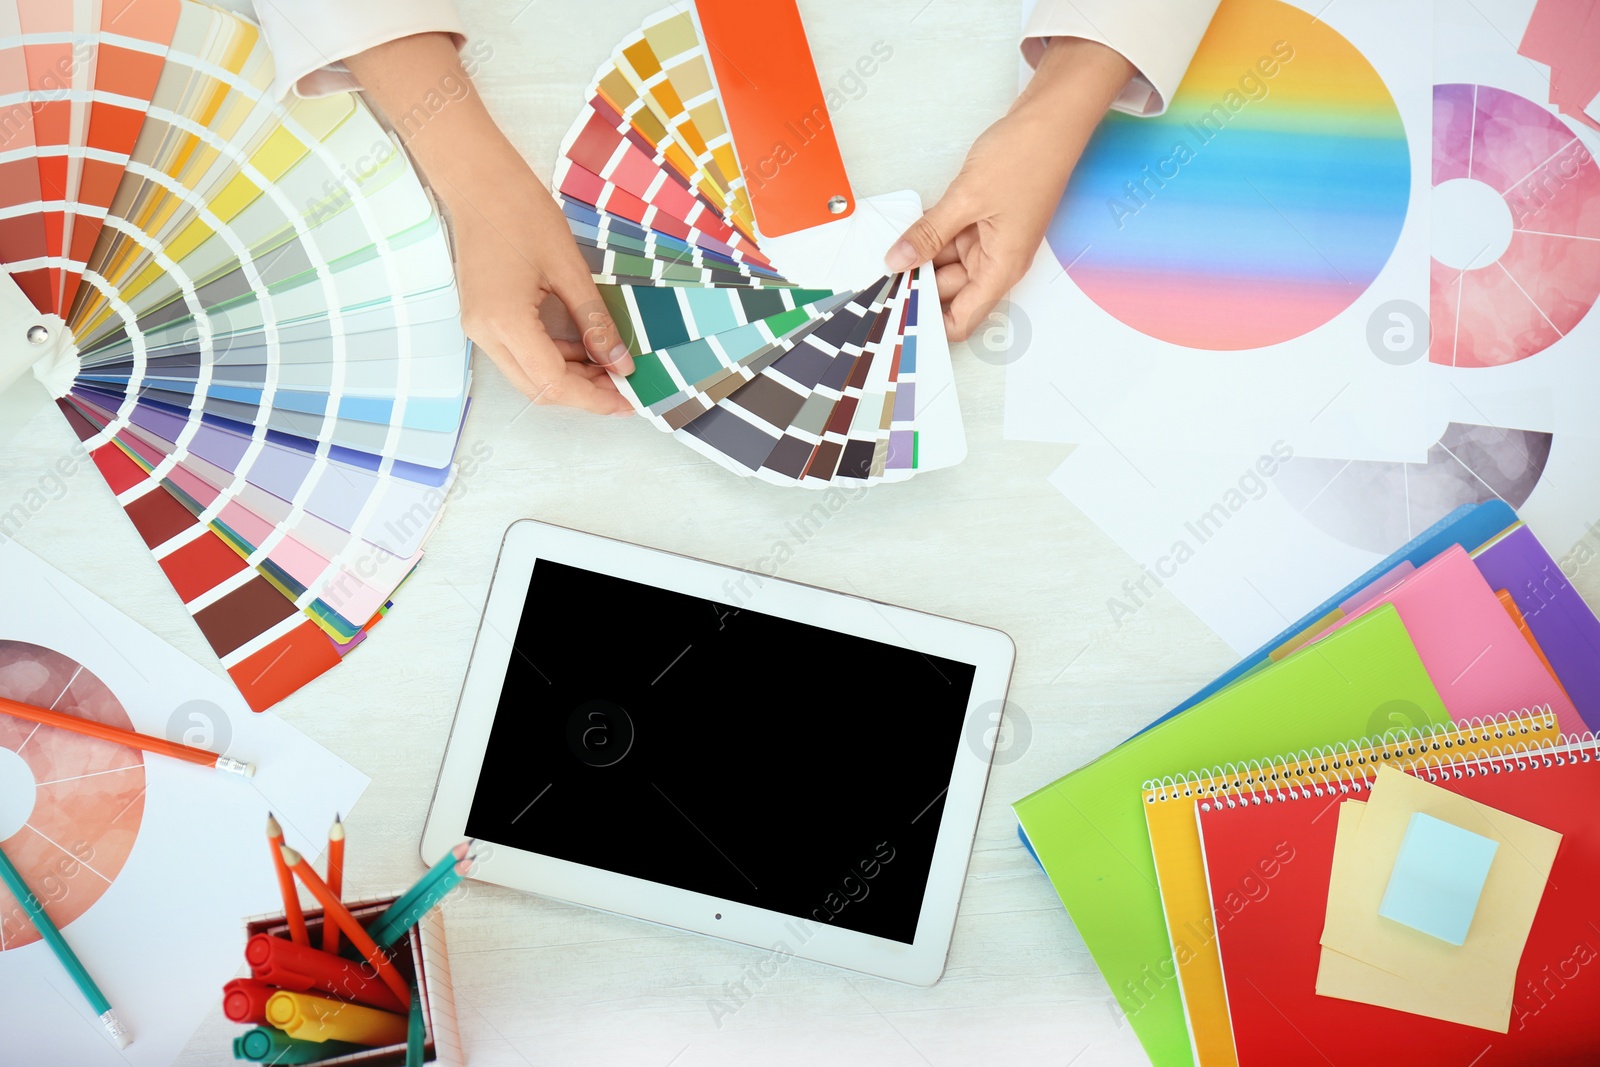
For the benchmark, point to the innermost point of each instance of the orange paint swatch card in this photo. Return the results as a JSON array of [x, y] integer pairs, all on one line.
[[776, 114]]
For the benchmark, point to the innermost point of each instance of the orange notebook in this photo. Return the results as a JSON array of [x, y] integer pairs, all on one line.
[[1180, 867]]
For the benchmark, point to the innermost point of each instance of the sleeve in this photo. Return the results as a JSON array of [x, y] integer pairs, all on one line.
[[311, 38], [1158, 37]]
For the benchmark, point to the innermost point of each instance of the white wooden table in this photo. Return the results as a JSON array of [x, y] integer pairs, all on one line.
[[544, 983]]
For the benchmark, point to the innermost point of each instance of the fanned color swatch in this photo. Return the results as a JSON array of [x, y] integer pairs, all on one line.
[[791, 358], [257, 308]]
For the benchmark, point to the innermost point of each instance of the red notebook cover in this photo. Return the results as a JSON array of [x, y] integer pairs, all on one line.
[[1269, 932]]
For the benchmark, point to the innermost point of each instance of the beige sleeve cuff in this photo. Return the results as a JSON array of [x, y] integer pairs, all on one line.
[[1158, 37], [311, 38]]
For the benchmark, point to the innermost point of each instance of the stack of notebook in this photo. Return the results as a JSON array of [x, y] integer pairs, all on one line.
[[1230, 895]]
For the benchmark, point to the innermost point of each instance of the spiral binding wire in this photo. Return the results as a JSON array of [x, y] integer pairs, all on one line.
[[1351, 767], [1518, 756]]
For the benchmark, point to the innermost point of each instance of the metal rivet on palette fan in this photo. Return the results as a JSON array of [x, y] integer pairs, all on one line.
[[38, 335], [837, 204]]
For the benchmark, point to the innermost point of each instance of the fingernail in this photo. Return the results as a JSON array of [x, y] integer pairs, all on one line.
[[627, 413], [901, 256], [619, 353]]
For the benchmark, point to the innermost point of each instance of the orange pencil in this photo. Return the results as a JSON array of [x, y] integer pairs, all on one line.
[[291, 899], [330, 930], [91, 728], [333, 909]]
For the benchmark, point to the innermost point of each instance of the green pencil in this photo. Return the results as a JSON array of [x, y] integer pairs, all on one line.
[[414, 1030], [402, 915], [58, 944]]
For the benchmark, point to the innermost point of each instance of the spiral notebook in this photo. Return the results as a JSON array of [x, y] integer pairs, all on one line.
[[1270, 949], [1088, 829], [1180, 867]]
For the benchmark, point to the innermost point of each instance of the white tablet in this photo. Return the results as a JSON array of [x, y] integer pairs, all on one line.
[[723, 752]]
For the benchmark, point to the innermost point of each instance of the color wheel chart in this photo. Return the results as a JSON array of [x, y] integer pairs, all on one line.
[[70, 805], [795, 385], [1517, 207], [1378, 506], [262, 309], [1263, 202]]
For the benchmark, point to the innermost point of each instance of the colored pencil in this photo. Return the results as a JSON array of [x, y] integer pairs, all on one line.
[[160, 745], [330, 931], [333, 909], [390, 927], [63, 951], [414, 1030], [291, 898]]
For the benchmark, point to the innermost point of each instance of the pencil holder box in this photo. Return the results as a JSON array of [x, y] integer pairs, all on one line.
[[422, 959]]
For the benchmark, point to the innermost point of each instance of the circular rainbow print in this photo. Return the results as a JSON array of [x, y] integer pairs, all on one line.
[[1260, 205], [1512, 294], [70, 805]]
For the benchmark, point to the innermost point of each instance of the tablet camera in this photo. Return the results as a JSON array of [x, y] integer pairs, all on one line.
[[600, 733]]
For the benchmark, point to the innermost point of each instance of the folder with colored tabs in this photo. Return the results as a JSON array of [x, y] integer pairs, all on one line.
[[1470, 526], [1478, 661]]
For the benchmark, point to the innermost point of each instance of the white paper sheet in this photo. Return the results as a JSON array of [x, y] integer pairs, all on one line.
[[1556, 389], [1250, 545], [1274, 546], [168, 932], [1088, 376]]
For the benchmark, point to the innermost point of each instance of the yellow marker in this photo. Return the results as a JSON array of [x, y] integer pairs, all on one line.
[[307, 1017]]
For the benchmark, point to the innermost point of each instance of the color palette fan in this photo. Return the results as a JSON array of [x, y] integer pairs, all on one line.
[[247, 311], [751, 291]]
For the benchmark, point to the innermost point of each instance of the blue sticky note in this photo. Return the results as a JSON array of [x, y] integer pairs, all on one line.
[[1438, 878]]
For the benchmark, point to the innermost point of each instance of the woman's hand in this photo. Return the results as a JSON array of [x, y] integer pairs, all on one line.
[[513, 248], [984, 231], [514, 252]]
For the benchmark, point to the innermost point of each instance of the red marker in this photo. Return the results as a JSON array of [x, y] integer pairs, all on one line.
[[299, 969], [333, 909], [244, 1000]]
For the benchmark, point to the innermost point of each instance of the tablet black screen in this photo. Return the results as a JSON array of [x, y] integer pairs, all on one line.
[[724, 751]]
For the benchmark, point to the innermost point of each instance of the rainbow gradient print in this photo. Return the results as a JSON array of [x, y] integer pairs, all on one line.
[[1260, 205]]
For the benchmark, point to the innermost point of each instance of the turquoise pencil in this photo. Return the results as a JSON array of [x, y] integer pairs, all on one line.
[[388, 928], [414, 1030], [58, 944]]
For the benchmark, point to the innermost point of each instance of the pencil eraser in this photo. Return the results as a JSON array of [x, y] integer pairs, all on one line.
[[234, 766], [119, 1033]]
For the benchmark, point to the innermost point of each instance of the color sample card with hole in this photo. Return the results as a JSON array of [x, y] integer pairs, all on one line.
[[722, 751]]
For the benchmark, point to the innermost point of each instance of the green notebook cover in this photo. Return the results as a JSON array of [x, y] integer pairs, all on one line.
[[1088, 828]]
